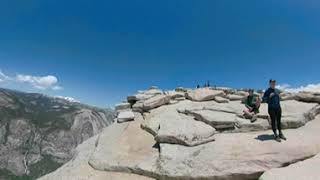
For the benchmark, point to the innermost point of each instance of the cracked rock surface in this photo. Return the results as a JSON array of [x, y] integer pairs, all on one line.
[[192, 139]]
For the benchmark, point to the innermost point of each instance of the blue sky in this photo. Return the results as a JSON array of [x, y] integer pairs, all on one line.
[[101, 51]]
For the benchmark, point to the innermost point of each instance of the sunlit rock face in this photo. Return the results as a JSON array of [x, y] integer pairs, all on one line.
[[202, 136]]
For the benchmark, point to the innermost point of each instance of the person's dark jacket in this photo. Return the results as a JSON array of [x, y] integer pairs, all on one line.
[[274, 101]]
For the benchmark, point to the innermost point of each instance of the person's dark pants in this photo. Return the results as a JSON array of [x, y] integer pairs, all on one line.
[[275, 115]]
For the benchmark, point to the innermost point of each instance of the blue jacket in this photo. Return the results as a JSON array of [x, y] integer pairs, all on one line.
[[274, 101]]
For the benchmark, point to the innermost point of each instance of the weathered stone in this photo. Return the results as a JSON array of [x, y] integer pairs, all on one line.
[[155, 102], [294, 113], [221, 99], [123, 148], [241, 93], [233, 97], [180, 99], [169, 126], [203, 94], [183, 146], [139, 97], [308, 97], [79, 169], [287, 96], [189, 133], [175, 95], [218, 120], [122, 106], [125, 116], [312, 113], [304, 170], [144, 95], [181, 89], [244, 125], [138, 107], [238, 156], [153, 91]]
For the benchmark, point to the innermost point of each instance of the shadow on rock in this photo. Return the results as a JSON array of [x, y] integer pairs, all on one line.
[[265, 137]]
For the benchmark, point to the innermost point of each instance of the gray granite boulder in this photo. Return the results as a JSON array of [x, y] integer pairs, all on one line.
[[155, 102], [308, 97], [221, 99], [122, 106], [203, 94], [125, 116], [304, 170]]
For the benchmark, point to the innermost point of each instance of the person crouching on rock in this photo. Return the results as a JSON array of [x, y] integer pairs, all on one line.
[[252, 103], [272, 97]]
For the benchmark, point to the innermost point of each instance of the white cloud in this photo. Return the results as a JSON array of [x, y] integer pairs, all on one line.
[[3, 77], [38, 82], [57, 88], [308, 88], [70, 99]]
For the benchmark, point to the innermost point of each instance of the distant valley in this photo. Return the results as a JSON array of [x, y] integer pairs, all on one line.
[[38, 133]]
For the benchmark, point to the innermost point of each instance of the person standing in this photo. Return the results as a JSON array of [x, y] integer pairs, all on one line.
[[272, 97]]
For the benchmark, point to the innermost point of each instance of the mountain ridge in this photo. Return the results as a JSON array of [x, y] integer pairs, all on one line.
[[38, 133]]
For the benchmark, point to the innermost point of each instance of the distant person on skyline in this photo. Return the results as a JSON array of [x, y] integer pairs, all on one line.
[[252, 104], [272, 97]]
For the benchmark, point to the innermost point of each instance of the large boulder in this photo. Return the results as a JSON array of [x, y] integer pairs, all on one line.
[[175, 94], [122, 148], [78, 168], [138, 107], [188, 133], [295, 114], [169, 126], [122, 106], [218, 120], [245, 125], [139, 97], [221, 99], [125, 116], [234, 97], [144, 95], [238, 156], [241, 93], [181, 89], [306, 170], [155, 102], [203, 94], [287, 96], [308, 97]]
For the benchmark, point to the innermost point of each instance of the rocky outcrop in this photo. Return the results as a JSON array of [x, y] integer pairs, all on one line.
[[169, 126], [221, 99], [144, 95], [219, 121], [234, 97], [306, 170], [78, 168], [224, 158], [203, 94], [155, 102], [200, 138], [40, 131], [308, 97], [123, 106], [125, 116]]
